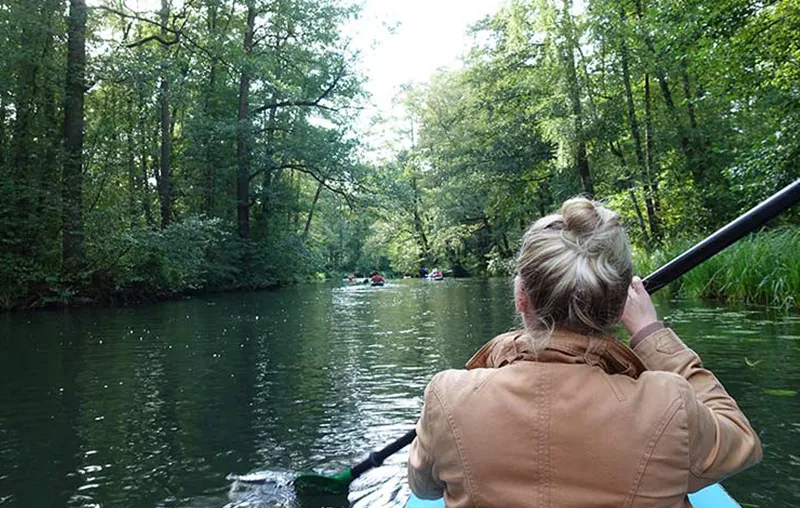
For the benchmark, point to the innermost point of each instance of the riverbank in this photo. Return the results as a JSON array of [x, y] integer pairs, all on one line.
[[196, 256], [761, 269]]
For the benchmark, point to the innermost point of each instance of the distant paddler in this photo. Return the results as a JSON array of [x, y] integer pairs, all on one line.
[[376, 279]]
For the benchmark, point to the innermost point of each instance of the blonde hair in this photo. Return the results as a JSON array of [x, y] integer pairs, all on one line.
[[575, 268]]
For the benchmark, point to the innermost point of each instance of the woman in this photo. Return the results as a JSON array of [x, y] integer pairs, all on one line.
[[560, 414]]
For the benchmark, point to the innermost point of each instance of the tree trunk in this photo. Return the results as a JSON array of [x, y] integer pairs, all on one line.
[[419, 226], [568, 55], [243, 133], [311, 212], [694, 158], [210, 148], [665, 91], [163, 179], [131, 141], [72, 176], [164, 189], [269, 162], [2, 133], [271, 124], [506, 246], [145, 184], [652, 172], [210, 112], [617, 150], [634, 126]]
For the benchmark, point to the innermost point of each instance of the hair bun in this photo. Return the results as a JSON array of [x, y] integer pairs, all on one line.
[[581, 215]]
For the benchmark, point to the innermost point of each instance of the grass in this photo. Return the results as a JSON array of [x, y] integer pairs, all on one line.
[[763, 268]]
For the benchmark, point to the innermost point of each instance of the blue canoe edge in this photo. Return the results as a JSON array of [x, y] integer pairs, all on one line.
[[713, 496]]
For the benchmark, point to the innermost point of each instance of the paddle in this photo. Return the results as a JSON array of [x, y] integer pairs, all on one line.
[[314, 484]]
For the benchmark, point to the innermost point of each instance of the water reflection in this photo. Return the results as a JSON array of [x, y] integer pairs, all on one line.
[[157, 405]]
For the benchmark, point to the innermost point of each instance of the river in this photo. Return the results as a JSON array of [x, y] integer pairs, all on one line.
[[157, 405]]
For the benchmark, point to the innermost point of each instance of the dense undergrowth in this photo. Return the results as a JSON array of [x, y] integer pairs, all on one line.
[[193, 256], [762, 268]]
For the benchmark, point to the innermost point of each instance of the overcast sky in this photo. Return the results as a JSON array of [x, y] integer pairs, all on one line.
[[429, 34], [405, 41]]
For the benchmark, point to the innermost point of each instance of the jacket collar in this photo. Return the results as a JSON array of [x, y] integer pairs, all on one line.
[[607, 352]]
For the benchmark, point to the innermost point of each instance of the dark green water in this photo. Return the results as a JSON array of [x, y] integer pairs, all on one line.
[[156, 405]]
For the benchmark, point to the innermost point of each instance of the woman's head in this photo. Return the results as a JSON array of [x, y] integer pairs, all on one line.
[[574, 269]]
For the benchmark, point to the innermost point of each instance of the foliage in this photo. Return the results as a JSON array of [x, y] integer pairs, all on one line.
[[762, 268], [679, 116]]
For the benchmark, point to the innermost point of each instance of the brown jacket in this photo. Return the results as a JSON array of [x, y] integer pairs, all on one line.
[[582, 423]]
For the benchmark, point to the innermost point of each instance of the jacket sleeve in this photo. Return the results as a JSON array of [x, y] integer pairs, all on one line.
[[721, 440], [422, 468]]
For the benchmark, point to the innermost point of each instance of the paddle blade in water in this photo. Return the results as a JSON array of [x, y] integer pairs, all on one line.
[[315, 484]]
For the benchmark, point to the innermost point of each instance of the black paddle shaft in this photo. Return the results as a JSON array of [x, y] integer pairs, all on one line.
[[746, 223], [375, 459]]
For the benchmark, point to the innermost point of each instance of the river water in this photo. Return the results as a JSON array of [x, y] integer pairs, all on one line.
[[157, 405]]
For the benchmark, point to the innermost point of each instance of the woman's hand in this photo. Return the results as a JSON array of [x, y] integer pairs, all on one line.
[[639, 310]]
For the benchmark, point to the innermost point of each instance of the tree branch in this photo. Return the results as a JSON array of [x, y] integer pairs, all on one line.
[[304, 103], [158, 38], [178, 33]]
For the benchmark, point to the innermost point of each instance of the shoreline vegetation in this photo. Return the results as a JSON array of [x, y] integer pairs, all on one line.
[[760, 269], [148, 153]]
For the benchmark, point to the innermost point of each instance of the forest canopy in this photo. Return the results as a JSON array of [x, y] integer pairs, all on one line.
[[214, 144]]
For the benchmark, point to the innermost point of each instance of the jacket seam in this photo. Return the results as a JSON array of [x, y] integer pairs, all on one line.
[[651, 446], [544, 436], [459, 446]]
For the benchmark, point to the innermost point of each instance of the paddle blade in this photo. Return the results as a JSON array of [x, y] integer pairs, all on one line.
[[316, 485]]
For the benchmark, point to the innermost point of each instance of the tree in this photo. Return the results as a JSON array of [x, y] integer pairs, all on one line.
[[72, 181]]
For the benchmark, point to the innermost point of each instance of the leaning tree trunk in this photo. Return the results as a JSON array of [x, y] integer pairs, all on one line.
[[307, 229], [635, 133], [617, 150], [243, 133], [664, 86], [72, 175], [695, 158]]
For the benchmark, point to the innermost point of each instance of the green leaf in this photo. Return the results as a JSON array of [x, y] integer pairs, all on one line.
[[781, 393]]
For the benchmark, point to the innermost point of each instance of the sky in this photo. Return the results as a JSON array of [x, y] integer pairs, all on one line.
[[406, 41], [428, 35]]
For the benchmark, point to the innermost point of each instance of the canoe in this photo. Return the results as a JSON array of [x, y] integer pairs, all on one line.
[[376, 284], [713, 496]]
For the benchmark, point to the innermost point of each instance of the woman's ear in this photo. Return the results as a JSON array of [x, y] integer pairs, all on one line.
[[520, 297]]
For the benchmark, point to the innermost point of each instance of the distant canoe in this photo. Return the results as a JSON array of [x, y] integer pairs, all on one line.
[[377, 283]]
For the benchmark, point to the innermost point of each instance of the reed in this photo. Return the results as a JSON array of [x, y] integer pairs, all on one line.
[[763, 268]]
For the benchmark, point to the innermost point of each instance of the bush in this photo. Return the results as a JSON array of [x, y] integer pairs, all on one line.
[[178, 259]]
